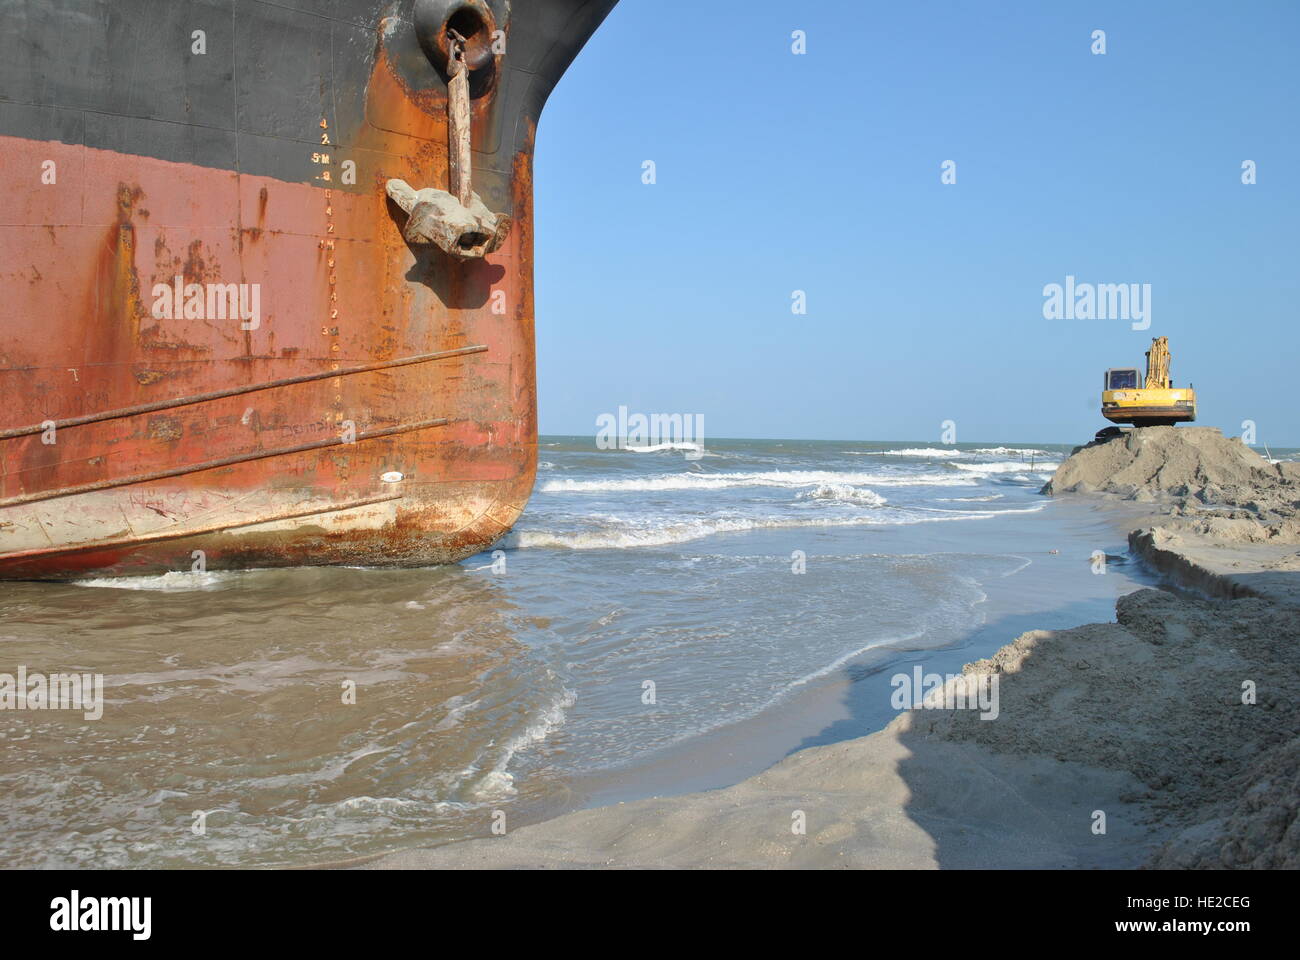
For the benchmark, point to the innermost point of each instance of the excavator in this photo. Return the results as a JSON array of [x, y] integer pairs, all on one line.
[[1155, 403]]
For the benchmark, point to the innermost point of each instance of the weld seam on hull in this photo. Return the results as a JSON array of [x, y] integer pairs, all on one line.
[[214, 464], [196, 532], [238, 391]]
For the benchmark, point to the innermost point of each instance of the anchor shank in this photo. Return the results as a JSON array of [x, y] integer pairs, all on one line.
[[458, 133]]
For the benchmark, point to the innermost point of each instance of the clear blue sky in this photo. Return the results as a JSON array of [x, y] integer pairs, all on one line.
[[821, 173]]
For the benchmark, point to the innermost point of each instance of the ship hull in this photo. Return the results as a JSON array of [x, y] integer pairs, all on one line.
[[219, 351]]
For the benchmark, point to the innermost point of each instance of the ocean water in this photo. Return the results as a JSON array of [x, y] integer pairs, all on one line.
[[651, 611]]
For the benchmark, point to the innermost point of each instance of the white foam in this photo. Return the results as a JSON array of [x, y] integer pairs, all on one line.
[[790, 479], [983, 512], [457, 706], [384, 806], [913, 452], [656, 447], [839, 662], [950, 453], [624, 536], [1004, 466], [1009, 451], [1025, 562], [498, 783], [172, 580], [844, 492]]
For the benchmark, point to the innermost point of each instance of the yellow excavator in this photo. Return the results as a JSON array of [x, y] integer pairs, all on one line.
[[1156, 402]]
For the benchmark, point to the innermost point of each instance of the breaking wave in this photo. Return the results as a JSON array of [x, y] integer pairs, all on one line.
[[844, 493], [618, 535], [1011, 451], [950, 453], [771, 478], [1005, 466], [910, 452], [656, 447]]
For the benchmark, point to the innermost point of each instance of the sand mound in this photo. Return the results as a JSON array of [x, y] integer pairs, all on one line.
[[1233, 531], [1258, 829], [1160, 694], [1195, 464]]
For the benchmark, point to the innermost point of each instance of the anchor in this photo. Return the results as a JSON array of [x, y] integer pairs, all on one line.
[[457, 222]]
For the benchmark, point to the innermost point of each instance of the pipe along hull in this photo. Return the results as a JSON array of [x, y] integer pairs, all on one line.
[[217, 348]]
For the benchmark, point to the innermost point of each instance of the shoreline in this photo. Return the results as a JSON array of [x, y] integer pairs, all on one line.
[[851, 701], [1136, 723]]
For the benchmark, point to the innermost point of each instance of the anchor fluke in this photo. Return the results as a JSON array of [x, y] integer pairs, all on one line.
[[435, 216]]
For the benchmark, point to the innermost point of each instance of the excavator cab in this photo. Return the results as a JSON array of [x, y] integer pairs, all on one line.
[[1124, 378], [1150, 402]]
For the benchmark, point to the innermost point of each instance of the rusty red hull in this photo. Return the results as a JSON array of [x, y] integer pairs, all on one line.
[[343, 397]]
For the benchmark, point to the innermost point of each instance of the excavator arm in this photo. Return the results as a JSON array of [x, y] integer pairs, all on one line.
[[1158, 365]]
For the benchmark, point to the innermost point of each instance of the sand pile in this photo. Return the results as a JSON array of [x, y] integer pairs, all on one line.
[[1195, 464], [1233, 531], [1160, 694]]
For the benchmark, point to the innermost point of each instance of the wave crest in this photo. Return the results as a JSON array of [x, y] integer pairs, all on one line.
[[844, 493], [789, 479]]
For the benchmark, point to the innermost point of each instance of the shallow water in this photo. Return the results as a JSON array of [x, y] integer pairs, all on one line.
[[521, 681]]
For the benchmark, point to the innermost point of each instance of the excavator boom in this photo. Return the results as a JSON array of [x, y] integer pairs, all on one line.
[[1158, 365]]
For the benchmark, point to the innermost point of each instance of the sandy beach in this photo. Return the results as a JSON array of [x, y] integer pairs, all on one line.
[[1168, 738]]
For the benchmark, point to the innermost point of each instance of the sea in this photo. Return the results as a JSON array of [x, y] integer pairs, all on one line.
[[661, 620]]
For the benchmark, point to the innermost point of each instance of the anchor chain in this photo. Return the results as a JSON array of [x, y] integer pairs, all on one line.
[[457, 222]]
